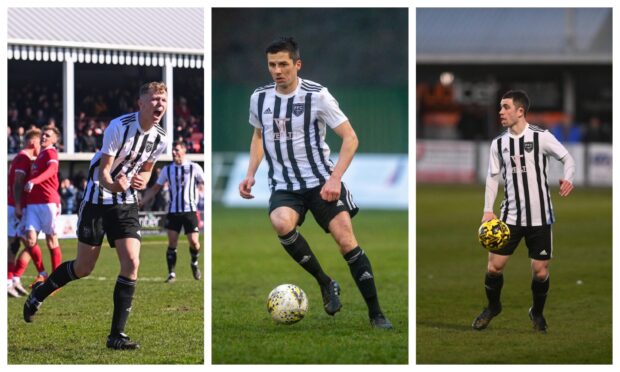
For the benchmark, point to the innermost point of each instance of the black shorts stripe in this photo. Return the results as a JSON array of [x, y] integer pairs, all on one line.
[[515, 181], [289, 143], [307, 114], [261, 102], [279, 158], [541, 197], [526, 188]]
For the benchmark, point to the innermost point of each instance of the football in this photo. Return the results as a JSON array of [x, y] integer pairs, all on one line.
[[493, 234], [287, 304]]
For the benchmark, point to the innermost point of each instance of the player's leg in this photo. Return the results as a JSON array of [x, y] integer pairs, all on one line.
[[30, 229], [83, 265], [49, 216], [171, 252], [128, 251], [11, 264], [341, 229], [18, 269], [193, 239], [540, 246]]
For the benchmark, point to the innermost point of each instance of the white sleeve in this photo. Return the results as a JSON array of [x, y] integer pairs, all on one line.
[[492, 182], [198, 173], [253, 112], [163, 176], [328, 110], [569, 167], [112, 138]]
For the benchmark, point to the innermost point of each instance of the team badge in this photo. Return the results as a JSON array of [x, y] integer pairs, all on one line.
[[149, 147], [528, 146], [298, 108]]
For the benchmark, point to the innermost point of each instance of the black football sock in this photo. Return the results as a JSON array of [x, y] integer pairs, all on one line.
[[123, 296], [63, 274], [171, 258], [539, 295], [297, 247], [194, 253], [493, 284], [360, 268]]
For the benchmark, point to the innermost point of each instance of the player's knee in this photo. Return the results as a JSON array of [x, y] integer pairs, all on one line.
[[494, 270], [195, 245], [83, 269], [541, 274], [282, 226], [131, 265]]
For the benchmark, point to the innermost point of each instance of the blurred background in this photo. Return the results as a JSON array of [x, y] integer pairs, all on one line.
[[360, 55], [79, 68], [468, 58]]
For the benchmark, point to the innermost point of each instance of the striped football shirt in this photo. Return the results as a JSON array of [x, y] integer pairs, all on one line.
[[294, 129], [131, 147], [182, 181], [523, 161]]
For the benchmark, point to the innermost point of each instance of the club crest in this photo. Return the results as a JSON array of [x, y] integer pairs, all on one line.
[[528, 146], [298, 108], [149, 147]]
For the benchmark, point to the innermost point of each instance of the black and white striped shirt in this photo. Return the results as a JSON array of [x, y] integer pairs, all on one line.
[[294, 128], [131, 147], [182, 182], [523, 161]]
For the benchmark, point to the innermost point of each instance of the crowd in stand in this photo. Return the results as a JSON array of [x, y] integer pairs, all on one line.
[[37, 105]]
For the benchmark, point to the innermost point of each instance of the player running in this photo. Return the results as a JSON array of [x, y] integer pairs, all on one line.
[[183, 177], [290, 118]]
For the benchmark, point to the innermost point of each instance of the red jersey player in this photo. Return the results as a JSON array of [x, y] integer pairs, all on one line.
[[43, 200], [19, 171]]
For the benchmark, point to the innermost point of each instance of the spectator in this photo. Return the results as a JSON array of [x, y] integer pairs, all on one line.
[[67, 196], [18, 137], [87, 141], [567, 131], [12, 146], [597, 131], [79, 195]]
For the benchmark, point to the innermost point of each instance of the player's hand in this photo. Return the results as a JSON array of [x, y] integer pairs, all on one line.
[[565, 187], [28, 187], [138, 182], [488, 216], [331, 190], [245, 188], [122, 181]]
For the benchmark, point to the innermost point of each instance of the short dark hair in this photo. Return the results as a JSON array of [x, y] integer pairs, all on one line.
[[284, 44], [519, 98], [179, 143]]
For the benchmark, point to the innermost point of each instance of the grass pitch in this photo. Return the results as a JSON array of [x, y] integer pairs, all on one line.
[[450, 284], [248, 261], [72, 326]]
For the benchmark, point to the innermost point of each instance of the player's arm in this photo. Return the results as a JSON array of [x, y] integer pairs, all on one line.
[[492, 182], [150, 194], [331, 189], [566, 183], [119, 184], [18, 186], [256, 156], [553, 147], [49, 172], [141, 179]]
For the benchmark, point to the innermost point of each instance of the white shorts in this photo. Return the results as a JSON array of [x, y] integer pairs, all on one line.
[[14, 225], [41, 217]]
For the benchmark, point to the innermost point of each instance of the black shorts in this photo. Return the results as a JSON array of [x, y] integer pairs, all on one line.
[[187, 220], [538, 240], [303, 200], [116, 221]]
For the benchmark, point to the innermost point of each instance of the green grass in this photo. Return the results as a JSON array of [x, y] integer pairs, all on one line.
[[248, 261], [450, 289], [71, 327]]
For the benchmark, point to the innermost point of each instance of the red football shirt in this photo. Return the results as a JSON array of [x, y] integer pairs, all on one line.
[[45, 190], [21, 163]]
